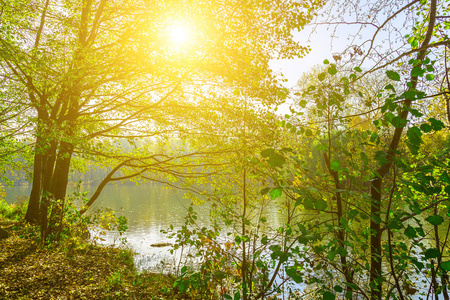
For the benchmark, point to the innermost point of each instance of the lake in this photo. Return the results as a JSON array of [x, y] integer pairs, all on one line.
[[149, 208]]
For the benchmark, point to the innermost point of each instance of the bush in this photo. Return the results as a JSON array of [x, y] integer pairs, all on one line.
[[14, 211]]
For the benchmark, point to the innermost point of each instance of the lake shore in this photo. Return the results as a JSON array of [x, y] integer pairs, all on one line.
[[72, 270]]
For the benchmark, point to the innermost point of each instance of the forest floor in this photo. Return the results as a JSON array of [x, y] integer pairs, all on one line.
[[72, 270]]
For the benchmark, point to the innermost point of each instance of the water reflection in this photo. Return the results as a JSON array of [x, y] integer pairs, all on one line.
[[149, 209]]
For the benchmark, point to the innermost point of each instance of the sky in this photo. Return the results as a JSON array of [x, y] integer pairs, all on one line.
[[322, 47], [292, 69]]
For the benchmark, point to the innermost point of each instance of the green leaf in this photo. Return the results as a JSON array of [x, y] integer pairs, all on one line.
[[321, 76], [381, 157], [292, 272], [228, 297], [395, 224], [346, 91], [267, 152], [373, 137], [276, 160], [414, 139], [326, 61], [264, 240], [390, 87], [265, 191], [332, 69], [335, 165], [308, 202], [276, 192], [329, 296], [417, 71], [445, 266], [393, 75], [237, 296], [444, 177], [435, 220], [303, 103], [338, 288], [320, 204], [426, 128], [358, 69], [436, 124], [432, 253], [398, 122], [351, 285], [430, 77], [415, 112], [410, 232]]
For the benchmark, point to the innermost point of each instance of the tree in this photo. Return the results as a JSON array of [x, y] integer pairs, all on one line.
[[94, 71], [411, 63]]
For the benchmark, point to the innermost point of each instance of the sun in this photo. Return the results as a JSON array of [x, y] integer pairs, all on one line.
[[179, 34]]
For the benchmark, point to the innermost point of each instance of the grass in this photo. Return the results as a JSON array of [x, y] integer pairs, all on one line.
[[70, 270]]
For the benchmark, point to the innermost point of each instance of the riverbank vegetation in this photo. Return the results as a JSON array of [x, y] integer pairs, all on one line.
[[357, 164], [74, 269]]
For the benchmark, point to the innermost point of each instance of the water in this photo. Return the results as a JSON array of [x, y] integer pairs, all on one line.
[[148, 208]]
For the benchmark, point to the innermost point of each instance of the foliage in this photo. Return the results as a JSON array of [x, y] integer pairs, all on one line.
[[14, 211]]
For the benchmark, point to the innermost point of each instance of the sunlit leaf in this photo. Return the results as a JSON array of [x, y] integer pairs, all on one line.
[[335, 165], [267, 152], [276, 160], [276, 192], [321, 76], [332, 69], [393, 75], [303, 103]]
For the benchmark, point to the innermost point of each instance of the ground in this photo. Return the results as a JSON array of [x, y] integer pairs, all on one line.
[[72, 270]]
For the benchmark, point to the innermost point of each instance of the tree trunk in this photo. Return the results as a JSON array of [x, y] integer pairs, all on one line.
[[59, 189], [377, 182], [32, 215], [47, 175]]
